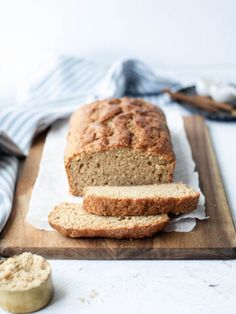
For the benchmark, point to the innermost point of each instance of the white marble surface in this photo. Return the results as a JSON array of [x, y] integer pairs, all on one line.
[[143, 287]]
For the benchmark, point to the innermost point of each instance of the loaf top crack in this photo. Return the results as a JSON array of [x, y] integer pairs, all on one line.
[[119, 123]]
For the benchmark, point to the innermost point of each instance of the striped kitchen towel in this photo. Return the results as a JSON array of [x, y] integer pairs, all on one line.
[[71, 82]]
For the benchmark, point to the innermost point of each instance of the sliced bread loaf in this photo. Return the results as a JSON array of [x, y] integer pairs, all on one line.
[[140, 200], [71, 220]]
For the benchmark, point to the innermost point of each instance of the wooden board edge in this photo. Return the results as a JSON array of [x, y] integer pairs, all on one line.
[[128, 254], [217, 174], [214, 170]]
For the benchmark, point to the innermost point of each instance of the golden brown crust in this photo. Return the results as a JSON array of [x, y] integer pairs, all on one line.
[[119, 123], [72, 221], [137, 232], [106, 206]]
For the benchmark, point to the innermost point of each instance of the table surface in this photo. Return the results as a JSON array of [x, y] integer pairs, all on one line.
[[157, 286]]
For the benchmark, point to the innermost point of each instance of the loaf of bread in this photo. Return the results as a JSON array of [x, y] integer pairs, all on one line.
[[25, 283], [140, 200], [71, 220], [118, 142]]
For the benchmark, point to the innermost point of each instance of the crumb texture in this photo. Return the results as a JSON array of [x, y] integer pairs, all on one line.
[[141, 191], [23, 272]]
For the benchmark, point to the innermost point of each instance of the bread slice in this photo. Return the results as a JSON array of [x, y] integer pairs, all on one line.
[[25, 283], [140, 200], [71, 220]]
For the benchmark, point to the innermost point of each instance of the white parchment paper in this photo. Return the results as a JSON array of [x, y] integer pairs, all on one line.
[[51, 187]]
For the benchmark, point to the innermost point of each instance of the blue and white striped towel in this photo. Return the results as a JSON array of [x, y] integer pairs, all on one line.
[[73, 81]]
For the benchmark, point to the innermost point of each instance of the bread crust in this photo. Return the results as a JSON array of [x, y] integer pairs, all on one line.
[[117, 124], [107, 231], [107, 206], [118, 233]]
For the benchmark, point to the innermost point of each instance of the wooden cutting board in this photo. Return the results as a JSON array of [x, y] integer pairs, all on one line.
[[211, 239]]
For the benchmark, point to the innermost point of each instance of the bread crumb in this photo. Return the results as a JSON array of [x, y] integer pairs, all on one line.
[[93, 294]]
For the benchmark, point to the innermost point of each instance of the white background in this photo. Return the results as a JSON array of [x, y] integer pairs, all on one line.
[[186, 34], [157, 31]]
